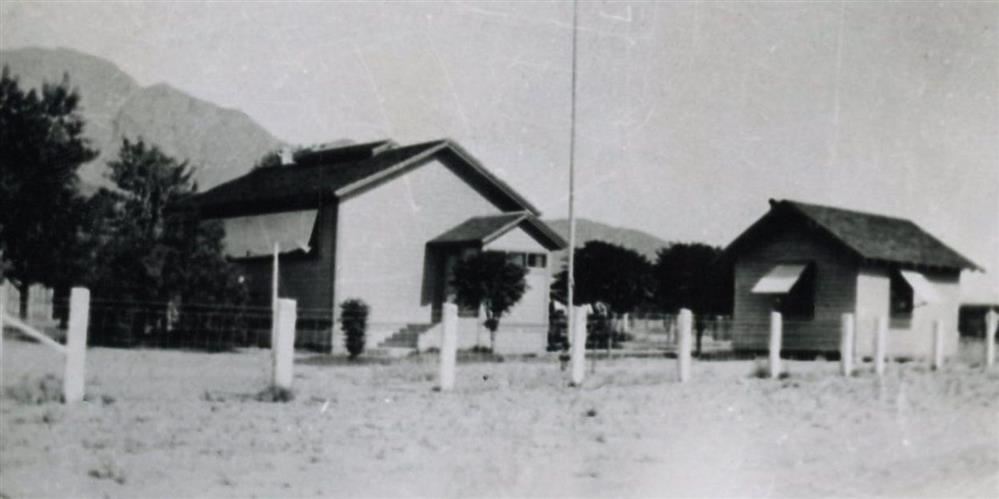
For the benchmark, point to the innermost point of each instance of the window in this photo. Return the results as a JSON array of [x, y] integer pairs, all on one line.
[[900, 297], [799, 302], [537, 260], [517, 258]]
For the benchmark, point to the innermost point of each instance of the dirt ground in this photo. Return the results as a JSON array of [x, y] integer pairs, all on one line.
[[185, 424]]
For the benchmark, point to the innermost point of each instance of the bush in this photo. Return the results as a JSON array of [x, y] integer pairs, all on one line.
[[354, 323]]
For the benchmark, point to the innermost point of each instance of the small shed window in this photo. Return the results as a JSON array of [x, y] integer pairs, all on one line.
[[901, 297], [799, 302]]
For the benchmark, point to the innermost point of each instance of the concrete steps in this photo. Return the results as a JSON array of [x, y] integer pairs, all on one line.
[[406, 337]]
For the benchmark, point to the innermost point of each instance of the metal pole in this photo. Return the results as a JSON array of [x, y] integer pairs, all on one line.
[[571, 271]]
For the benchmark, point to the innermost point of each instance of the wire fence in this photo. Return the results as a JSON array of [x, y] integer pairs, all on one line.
[[199, 326]]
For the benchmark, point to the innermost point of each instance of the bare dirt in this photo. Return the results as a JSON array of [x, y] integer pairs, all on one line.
[[185, 424]]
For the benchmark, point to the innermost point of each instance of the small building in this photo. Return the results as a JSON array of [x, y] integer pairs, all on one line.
[[979, 296], [815, 263], [385, 224]]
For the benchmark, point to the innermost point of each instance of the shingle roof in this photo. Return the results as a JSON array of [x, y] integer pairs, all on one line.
[[878, 237], [303, 185], [484, 229]]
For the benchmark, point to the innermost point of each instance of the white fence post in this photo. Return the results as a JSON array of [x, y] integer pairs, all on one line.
[[776, 331], [848, 330], [880, 345], [686, 326], [578, 345], [283, 347], [76, 345], [991, 322], [449, 346], [938, 345]]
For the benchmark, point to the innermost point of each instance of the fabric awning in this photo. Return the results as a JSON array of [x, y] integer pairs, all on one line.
[[923, 291], [780, 279], [255, 235]]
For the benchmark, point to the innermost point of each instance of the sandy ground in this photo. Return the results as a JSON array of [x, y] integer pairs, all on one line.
[[183, 424]]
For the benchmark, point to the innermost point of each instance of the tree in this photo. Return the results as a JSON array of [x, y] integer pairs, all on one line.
[[151, 247], [687, 277], [491, 280], [41, 210], [610, 274]]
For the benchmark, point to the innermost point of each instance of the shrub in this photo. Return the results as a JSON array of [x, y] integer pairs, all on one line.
[[354, 323]]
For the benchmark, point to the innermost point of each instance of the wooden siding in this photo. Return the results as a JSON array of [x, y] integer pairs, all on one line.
[[305, 278], [382, 240], [908, 338], [835, 292]]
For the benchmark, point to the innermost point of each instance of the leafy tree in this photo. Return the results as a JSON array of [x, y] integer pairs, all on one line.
[[151, 247], [687, 277], [354, 322], [41, 210], [489, 279], [610, 274]]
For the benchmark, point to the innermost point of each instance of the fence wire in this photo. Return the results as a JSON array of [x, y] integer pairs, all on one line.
[[198, 326]]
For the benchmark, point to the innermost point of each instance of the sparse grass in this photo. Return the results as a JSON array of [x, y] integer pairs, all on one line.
[[108, 470], [36, 391]]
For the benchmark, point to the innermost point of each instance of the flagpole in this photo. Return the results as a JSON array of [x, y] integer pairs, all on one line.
[[571, 281]]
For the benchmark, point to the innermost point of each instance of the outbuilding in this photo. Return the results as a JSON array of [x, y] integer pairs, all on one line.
[[815, 263]]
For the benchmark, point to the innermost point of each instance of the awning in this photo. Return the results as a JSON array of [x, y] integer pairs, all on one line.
[[255, 235], [923, 291], [780, 279]]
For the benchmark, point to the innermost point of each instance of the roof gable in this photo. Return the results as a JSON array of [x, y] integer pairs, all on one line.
[[332, 175], [867, 236], [485, 229]]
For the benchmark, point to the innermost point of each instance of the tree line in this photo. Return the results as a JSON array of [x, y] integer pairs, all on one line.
[[133, 240], [683, 275]]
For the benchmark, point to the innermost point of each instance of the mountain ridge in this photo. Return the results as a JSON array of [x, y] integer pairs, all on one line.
[[588, 230], [220, 143]]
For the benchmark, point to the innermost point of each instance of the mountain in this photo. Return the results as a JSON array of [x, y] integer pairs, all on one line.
[[220, 143], [587, 230]]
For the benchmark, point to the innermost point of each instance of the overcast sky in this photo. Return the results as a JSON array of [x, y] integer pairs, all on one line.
[[690, 115]]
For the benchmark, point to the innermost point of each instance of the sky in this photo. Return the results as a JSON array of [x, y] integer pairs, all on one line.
[[690, 115]]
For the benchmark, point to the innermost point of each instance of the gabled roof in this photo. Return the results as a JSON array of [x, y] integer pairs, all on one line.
[[870, 237], [335, 173], [485, 229]]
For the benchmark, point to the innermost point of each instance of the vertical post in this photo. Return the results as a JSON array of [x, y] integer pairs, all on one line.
[[776, 331], [76, 345], [3, 311], [848, 332], [991, 323], [449, 346], [686, 323], [938, 344], [880, 345], [274, 294], [578, 346], [283, 348]]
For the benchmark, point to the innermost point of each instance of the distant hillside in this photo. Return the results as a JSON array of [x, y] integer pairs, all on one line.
[[221, 143], [588, 230]]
